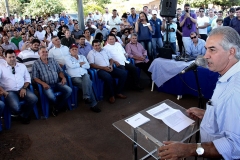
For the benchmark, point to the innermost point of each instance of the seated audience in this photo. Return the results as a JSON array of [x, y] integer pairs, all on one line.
[[88, 37], [196, 46], [29, 56], [76, 32], [21, 43], [102, 30], [8, 45], [118, 55], [77, 66], [101, 59], [14, 80], [84, 47], [67, 40], [16, 38], [136, 51], [58, 52], [47, 72]]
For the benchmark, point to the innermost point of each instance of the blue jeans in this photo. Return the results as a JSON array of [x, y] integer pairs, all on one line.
[[108, 78], [60, 100], [156, 42], [12, 101], [85, 84], [147, 44], [2, 105]]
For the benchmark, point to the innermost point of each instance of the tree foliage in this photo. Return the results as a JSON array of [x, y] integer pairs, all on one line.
[[43, 7], [204, 3], [98, 2], [15, 6]]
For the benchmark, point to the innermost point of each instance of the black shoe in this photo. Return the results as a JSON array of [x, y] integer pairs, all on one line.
[[87, 101], [95, 109], [54, 112], [25, 120]]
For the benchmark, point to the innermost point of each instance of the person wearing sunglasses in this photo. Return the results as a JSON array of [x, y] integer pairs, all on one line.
[[15, 79], [202, 24], [196, 46]]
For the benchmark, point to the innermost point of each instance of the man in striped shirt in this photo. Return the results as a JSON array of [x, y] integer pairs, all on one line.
[[29, 56], [220, 134]]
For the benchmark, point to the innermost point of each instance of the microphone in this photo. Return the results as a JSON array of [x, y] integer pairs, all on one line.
[[200, 61]]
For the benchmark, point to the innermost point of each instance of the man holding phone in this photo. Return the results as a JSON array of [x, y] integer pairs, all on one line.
[[188, 23]]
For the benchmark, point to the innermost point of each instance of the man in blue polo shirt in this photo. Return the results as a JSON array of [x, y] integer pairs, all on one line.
[[235, 22], [64, 18], [133, 17], [157, 37]]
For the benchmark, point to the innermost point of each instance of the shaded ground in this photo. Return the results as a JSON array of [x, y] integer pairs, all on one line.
[[81, 134]]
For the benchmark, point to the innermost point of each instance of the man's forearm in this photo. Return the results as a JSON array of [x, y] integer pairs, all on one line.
[[96, 66], [26, 84], [37, 80]]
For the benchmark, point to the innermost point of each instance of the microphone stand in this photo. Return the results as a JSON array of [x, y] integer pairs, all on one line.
[[200, 100]]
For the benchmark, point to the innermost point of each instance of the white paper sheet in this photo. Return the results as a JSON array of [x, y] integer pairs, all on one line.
[[137, 120], [173, 118], [161, 111], [177, 121]]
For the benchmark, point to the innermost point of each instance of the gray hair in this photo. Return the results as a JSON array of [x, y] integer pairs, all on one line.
[[134, 34], [230, 38]]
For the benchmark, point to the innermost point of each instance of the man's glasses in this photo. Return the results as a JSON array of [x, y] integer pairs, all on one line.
[[201, 11], [13, 70], [62, 22], [193, 37], [125, 32]]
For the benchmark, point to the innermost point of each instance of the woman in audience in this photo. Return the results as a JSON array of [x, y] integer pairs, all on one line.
[[125, 36], [99, 36], [1, 54], [48, 36], [145, 30], [125, 23], [88, 37]]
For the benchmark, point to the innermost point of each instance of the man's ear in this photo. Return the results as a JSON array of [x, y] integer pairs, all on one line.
[[232, 52]]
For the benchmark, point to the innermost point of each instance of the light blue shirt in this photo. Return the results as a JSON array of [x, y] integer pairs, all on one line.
[[171, 35], [73, 66], [193, 50], [221, 120]]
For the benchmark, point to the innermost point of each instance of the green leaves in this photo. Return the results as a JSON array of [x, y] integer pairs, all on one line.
[[202, 3]]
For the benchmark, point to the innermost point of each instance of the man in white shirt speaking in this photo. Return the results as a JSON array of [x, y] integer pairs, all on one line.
[[119, 55]]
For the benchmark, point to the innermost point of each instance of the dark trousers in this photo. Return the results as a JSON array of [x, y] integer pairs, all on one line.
[[204, 36], [144, 67], [108, 78], [180, 44], [132, 72]]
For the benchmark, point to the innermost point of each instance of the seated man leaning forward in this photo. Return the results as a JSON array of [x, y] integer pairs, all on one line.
[[118, 55], [77, 66], [196, 46], [47, 72], [220, 134], [15, 79], [136, 51], [100, 59]]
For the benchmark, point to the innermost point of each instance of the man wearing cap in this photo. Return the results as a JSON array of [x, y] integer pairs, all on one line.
[[77, 66], [58, 52], [226, 21], [157, 37], [102, 30]]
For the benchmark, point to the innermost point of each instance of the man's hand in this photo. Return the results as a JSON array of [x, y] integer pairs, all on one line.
[[108, 69], [117, 64], [187, 15], [23, 92], [195, 113], [63, 81], [45, 86], [174, 150], [82, 63]]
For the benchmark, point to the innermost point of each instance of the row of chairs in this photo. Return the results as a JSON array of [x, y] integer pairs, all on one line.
[[97, 85]]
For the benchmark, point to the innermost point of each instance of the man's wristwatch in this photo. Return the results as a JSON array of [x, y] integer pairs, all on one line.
[[199, 149], [24, 87]]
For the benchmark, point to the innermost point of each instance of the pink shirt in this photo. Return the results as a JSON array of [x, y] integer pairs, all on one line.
[[136, 50]]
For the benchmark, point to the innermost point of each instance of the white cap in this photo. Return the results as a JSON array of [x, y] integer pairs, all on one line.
[[154, 12]]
